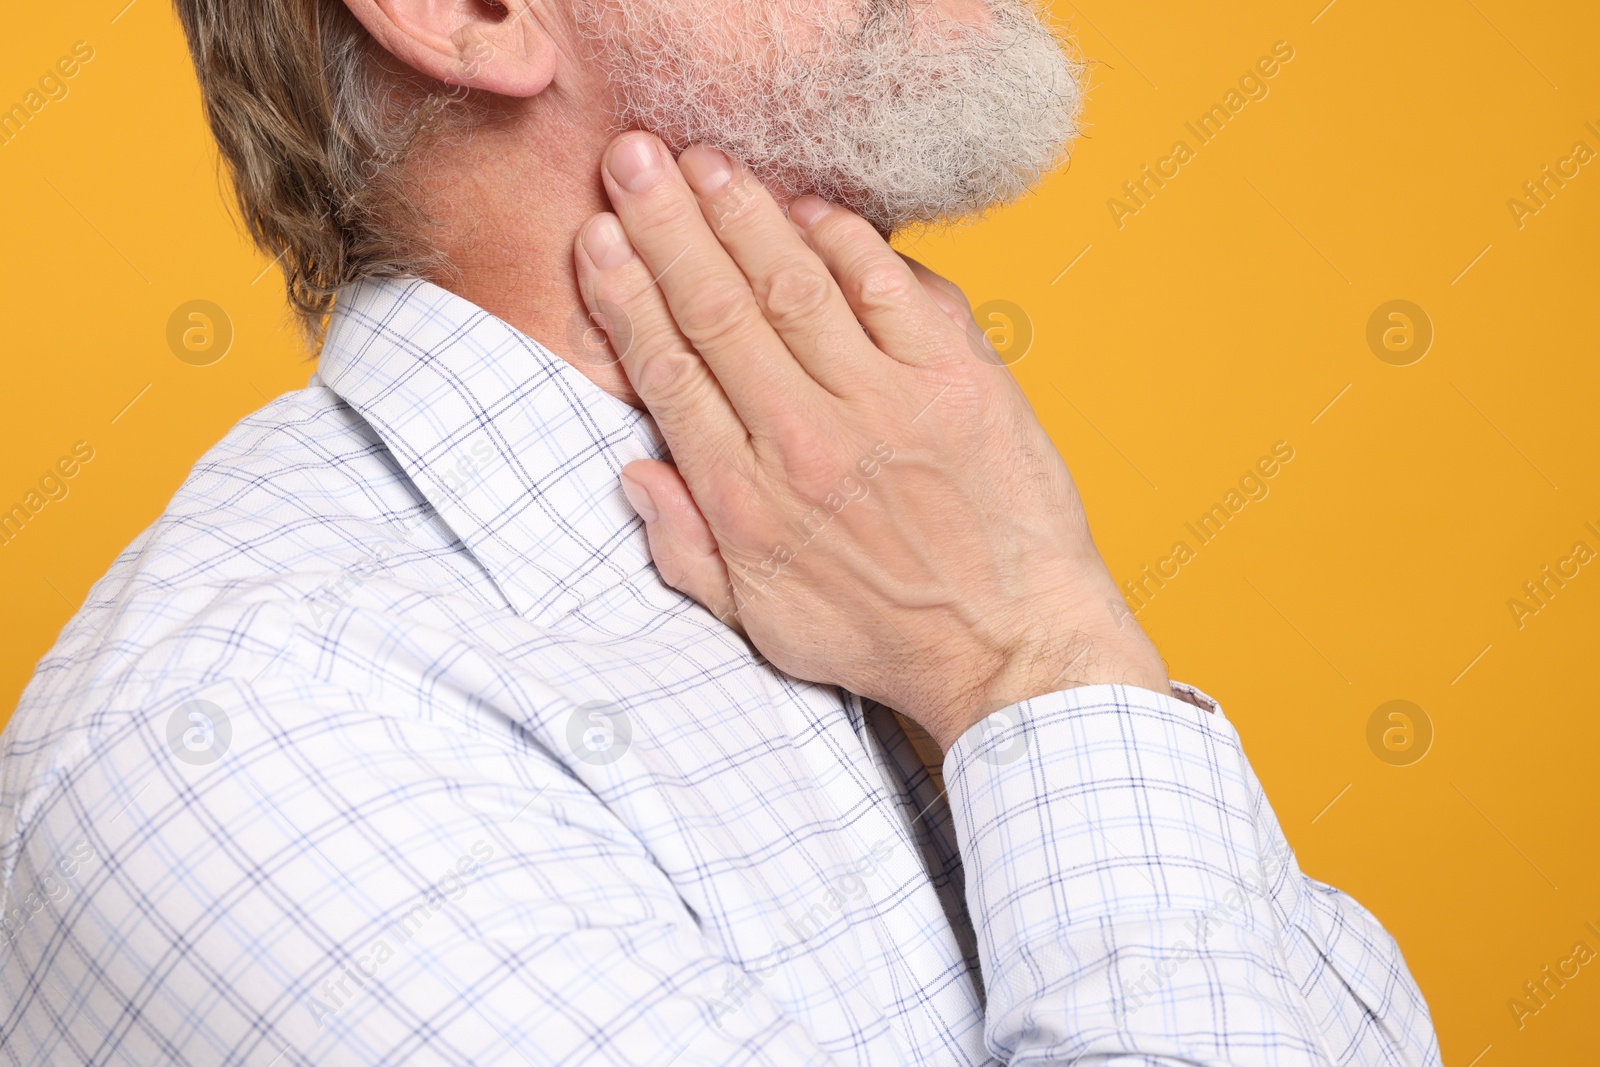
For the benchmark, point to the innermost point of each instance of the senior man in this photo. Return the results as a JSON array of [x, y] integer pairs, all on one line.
[[399, 738]]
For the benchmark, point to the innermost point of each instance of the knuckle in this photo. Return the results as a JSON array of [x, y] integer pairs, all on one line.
[[795, 294], [717, 315], [736, 504], [881, 285], [958, 297], [811, 467], [943, 285], [633, 327], [669, 564], [677, 566], [947, 304], [673, 378]]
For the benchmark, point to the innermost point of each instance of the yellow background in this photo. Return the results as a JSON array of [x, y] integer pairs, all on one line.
[[1224, 316]]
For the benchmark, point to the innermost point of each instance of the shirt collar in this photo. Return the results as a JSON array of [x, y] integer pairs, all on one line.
[[517, 451]]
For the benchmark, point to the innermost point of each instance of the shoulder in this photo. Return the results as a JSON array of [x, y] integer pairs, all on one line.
[[299, 514]]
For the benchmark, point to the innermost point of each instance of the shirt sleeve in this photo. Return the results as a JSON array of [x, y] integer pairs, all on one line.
[[331, 884], [1137, 903]]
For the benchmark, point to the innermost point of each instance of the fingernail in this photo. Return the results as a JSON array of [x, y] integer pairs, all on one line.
[[805, 212], [639, 497], [634, 162], [606, 242], [706, 169]]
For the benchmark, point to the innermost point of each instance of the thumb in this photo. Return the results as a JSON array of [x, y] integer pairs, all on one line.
[[681, 543]]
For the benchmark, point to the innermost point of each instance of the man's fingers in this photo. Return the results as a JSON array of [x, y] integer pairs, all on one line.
[[700, 425], [951, 300], [888, 299], [709, 296], [798, 296], [681, 542]]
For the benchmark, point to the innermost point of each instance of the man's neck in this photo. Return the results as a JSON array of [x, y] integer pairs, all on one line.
[[506, 201]]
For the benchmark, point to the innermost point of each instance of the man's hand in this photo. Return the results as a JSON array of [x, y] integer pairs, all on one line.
[[860, 484]]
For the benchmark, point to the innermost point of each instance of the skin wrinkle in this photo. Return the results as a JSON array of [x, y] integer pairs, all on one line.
[[903, 113]]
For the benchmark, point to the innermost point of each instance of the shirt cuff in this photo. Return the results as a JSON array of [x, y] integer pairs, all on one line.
[[1098, 818]]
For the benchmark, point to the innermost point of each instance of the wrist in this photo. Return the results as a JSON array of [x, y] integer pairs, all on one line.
[[1090, 653]]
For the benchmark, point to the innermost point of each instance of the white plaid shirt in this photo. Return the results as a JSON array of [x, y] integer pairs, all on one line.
[[386, 744]]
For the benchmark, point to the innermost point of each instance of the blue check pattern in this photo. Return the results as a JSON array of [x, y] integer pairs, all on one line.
[[385, 744]]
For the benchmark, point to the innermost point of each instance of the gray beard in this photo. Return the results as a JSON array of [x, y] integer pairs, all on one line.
[[904, 116]]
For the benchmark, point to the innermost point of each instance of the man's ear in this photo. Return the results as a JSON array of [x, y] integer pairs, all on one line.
[[496, 47]]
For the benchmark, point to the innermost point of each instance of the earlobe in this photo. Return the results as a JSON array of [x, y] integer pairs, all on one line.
[[498, 48], [515, 57]]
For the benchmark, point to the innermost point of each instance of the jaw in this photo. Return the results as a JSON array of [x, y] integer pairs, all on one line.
[[906, 111]]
